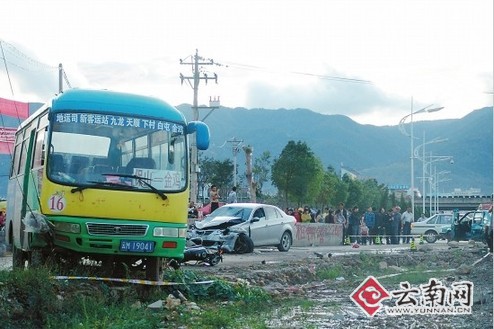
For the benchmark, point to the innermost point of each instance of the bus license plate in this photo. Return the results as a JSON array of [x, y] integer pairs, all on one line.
[[136, 246]]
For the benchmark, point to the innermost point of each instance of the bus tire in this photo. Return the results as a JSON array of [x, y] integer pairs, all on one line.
[[154, 268], [36, 258], [18, 258]]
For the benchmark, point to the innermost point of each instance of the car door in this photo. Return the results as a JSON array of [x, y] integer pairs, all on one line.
[[273, 225], [443, 221], [422, 227], [477, 228], [258, 228]]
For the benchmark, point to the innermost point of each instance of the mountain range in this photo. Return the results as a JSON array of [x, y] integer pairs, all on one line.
[[380, 152]]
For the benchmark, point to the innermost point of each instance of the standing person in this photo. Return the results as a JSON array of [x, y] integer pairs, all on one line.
[[422, 218], [341, 217], [354, 224], [395, 225], [298, 215], [406, 224], [193, 212], [214, 197], [381, 223], [370, 222], [388, 221], [321, 215], [306, 215], [232, 196], [2, 219], [329, 219]]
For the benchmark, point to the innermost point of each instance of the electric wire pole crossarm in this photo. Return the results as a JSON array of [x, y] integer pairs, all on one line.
[[196, 77]]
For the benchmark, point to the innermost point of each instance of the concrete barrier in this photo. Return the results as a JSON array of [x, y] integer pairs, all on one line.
[[312, 234], [317, 234]]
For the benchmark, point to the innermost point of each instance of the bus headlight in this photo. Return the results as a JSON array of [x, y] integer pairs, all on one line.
[[170, 232], [67, 227]]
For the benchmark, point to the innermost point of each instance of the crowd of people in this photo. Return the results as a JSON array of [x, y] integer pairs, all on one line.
[[371, 226]]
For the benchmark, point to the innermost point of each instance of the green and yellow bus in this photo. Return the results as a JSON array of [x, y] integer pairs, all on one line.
[[108, 174]]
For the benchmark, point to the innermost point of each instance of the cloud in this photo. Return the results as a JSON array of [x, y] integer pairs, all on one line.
[[327, 96]]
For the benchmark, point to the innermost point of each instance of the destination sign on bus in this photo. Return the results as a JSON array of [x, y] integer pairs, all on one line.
[[160, 179], [118, 121]]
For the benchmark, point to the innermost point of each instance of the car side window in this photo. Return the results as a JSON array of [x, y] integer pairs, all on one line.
[[271, 213], [259, 213], [445, 220], [432, 220]]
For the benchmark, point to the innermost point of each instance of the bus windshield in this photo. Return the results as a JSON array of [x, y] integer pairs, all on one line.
[[117, 152]]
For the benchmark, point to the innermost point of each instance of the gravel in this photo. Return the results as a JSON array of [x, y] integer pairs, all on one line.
[[333, 307]]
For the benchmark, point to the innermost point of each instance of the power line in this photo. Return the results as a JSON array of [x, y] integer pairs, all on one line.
[[34, 65], [320, 76]]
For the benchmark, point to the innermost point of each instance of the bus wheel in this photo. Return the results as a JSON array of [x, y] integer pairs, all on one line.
[[19, 258], [36, 258], [154, 268]]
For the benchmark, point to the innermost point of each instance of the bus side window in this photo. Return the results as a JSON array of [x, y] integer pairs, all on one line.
[[14, 171], [38, 158]]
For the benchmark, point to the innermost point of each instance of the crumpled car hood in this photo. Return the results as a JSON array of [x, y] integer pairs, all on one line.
[[220, 222]]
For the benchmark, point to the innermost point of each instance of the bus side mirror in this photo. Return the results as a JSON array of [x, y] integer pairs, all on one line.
[[202, 134]]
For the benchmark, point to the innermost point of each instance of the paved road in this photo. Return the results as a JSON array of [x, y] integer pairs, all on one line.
[[269, 255], [272, 255]]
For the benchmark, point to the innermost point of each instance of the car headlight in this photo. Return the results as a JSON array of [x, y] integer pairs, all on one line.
[[67, 227], [170, 232]]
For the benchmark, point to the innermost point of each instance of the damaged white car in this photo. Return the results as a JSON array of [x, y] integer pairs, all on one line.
[[239, 227]]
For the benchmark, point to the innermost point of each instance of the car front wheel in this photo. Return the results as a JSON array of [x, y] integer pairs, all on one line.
[[285, 241], [243, 245], [430, 236]]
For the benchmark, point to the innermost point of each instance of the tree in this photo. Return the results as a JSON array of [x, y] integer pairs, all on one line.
[[330, 188], [354, 192], [219, 173], [261, 170], [297, 173]]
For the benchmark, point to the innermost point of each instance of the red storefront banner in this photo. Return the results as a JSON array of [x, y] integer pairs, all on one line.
[[14, 109], [7, 139]]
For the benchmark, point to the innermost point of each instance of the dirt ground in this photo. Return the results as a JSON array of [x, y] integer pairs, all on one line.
[[294, 273]]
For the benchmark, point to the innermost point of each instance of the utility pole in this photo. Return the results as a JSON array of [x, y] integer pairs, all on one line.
[[235, 148], [60, 78], [196, 62], [248, 173]]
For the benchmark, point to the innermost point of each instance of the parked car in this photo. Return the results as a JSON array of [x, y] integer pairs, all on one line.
[[231, 224], [433, 228], [473, 225]]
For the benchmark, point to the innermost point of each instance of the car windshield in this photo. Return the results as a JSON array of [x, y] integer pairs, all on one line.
[[117, 152], [231, 211]]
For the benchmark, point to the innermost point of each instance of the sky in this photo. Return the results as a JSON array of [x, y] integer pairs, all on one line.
[[373, 61]]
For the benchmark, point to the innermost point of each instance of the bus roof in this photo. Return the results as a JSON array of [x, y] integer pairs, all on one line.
[[115, 102]]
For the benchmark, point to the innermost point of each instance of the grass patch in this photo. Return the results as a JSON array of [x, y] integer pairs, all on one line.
[[31, 299], [414, 277]]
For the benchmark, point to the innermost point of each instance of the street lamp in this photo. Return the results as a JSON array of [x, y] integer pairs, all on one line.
[[424, 163], [436, 186], [433, 176], [403, 131]]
